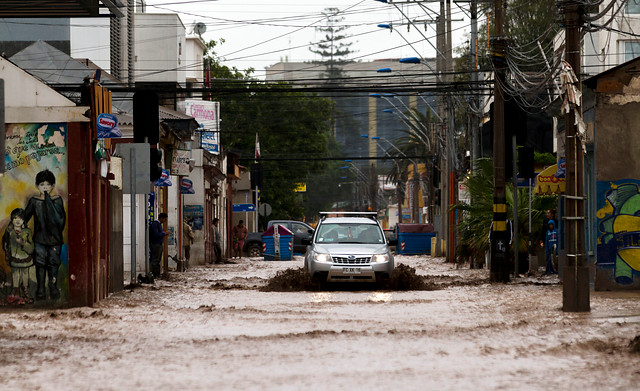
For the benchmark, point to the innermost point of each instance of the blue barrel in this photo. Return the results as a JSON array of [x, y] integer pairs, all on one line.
[[286, 244], [414, 239]]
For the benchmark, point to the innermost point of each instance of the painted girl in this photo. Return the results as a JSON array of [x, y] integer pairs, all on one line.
[[17, 243]]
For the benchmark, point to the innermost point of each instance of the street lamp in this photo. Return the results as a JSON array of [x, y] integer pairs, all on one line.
[[410, 60], [388, 70], [416, 180], [418, 125]]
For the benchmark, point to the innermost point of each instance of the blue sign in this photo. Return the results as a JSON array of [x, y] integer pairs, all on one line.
[[210, 142], [244, 208], [164, 179], [186, 187], [107, 125]]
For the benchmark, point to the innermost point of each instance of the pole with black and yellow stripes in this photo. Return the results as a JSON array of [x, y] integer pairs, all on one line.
[[499, 271]]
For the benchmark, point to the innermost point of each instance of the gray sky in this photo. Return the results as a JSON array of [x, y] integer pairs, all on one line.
[[259, 33]]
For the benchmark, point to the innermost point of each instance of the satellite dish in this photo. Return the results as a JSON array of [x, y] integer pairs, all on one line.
[[199, 28]]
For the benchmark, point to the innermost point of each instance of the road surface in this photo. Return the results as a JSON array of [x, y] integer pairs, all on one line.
[[215, 328]]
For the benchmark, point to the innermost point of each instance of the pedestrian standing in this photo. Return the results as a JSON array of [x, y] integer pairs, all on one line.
[[240, 233], [187, 241], [156, 241], [551, 216], [217, 249]]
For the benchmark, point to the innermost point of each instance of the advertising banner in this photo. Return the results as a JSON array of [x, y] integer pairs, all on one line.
[[180, 162], [207, 114]]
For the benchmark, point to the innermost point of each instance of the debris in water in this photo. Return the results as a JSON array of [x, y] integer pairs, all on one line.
[[403, 278]]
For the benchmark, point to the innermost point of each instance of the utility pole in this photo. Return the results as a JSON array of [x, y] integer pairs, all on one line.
[[575, 275], [450, 141], [441, 45], [499, 236], [475, 139]]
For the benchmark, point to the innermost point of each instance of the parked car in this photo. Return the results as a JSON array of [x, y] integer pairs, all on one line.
[[253, 242], [350, 247]]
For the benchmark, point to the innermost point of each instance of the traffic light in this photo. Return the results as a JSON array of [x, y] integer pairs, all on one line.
[[256, 176], [146, 117], [155, 169]]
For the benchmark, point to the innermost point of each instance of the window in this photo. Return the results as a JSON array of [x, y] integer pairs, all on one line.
[[633, 7], [299, 229], [631, 50]]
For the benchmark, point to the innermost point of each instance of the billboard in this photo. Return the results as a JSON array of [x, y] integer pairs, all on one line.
[[207, 114]]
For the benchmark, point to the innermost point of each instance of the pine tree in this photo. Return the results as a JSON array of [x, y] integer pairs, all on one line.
[[333, 49]]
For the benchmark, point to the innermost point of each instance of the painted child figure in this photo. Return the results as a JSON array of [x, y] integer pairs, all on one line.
[[17, 244], [551, 245], [49, 219]]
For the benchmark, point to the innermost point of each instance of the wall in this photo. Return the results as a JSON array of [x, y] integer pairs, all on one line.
[[160, 48], [31, 149], [618, 187]]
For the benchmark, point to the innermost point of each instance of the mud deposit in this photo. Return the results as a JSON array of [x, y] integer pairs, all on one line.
[[403, 278], [259, 325]]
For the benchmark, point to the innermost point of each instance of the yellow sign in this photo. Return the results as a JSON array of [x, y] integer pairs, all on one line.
[[300, 188]]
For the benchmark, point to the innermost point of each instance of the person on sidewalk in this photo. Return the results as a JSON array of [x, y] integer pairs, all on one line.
[[156, 242], [240, 233], [187, 241], [217, 249]]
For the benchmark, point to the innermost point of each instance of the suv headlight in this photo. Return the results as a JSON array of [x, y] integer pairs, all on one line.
[[324, 258], [380, 258]]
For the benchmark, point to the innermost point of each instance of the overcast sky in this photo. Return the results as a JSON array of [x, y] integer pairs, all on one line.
[[259, 33]]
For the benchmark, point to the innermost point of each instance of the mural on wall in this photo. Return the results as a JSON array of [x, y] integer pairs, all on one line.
[[619, 229], [33, 195]]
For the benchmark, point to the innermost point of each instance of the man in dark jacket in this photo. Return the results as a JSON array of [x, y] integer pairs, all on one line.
[[156, 242]]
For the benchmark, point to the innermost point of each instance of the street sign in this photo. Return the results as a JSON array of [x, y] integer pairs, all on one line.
[[264, 209], [135, 170], [244, 208]]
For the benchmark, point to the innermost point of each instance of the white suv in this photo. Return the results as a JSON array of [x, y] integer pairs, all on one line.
[[349, 247]]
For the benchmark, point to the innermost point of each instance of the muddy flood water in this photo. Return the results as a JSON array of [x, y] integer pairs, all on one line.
[[256, 325]]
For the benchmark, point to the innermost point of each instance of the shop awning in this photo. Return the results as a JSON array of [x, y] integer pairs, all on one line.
[[547, 183]]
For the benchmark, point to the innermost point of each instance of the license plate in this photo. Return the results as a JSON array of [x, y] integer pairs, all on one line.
[[351, 270]]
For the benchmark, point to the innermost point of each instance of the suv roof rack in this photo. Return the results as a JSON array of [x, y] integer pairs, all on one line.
[[371, 215]]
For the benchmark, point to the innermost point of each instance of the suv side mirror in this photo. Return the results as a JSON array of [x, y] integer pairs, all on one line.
[[306, 241], [393, 242]]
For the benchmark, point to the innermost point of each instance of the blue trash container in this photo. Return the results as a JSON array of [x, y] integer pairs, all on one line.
[[269, 239], [414, 239]]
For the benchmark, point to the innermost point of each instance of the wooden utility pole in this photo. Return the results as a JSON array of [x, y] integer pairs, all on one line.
[[575, 275], [499, 236]]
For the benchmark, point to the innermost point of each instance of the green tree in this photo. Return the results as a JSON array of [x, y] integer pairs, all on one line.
[[333, 49], [289, 124], [477, 217]]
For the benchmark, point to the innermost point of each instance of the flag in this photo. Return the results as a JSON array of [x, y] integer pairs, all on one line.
[[257, 147]]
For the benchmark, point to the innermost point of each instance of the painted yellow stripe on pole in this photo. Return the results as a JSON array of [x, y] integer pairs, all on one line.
[[499, 208], [499, 225]]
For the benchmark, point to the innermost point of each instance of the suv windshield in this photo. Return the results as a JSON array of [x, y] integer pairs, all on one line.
[[349, 233]]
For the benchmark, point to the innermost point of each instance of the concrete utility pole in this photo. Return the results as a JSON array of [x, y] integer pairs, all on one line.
[[475, 130], [499, 236], [575, 275]]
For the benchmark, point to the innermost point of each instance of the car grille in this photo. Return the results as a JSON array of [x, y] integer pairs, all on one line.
[[352, 261]]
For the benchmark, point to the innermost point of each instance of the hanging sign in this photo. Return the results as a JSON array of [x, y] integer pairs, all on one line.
[[107, 126]]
